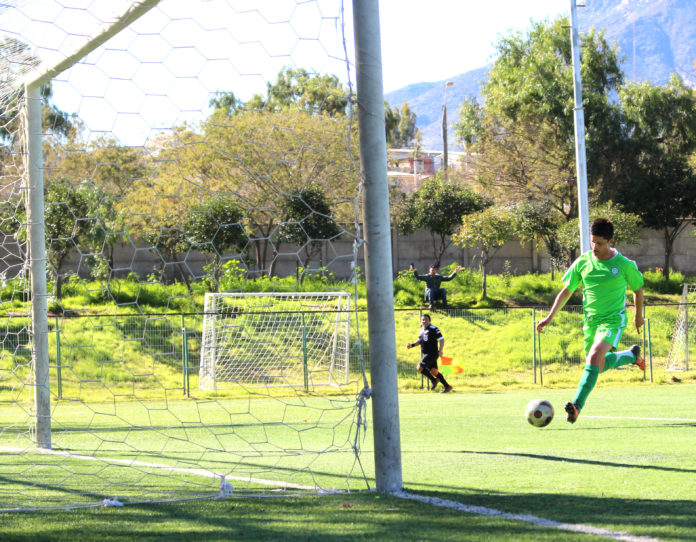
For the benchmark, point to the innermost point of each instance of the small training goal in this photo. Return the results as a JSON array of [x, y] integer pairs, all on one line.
[[684, 335], [296, 339]]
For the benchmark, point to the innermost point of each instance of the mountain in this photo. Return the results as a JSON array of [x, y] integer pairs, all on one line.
[[655, 38]]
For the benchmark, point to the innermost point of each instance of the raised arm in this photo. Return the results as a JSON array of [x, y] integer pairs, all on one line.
[[453, 274], [413, 269]]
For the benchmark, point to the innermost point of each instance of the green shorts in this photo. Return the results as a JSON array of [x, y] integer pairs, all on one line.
[[609, 330]]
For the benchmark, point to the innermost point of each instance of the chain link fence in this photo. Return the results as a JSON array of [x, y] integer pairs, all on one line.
[[493, 343]]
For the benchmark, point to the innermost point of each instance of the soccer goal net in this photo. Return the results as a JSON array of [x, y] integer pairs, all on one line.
[[283, 339], [156, 155], [683, 344]]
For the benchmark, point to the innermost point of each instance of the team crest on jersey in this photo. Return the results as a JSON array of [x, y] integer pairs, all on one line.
[[615, 270]]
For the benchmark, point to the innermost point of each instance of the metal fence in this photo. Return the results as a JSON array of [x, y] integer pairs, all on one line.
[[499, 340], [121, 348]]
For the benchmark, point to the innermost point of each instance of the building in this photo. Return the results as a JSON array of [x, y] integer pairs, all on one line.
[[408, 172]]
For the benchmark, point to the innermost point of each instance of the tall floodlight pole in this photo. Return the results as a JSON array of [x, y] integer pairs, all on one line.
[[580, 158], [444, 129], [378, 264], [36, 248]]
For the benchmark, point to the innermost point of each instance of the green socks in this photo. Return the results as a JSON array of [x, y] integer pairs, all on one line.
[[616, 359], [589, 378], [586, 385]]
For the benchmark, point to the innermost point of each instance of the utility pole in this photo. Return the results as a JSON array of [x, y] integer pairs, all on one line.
[[448, 84], [580, 157]]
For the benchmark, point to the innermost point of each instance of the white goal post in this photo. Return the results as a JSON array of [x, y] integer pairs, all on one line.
[[683, 337], [296, 339]]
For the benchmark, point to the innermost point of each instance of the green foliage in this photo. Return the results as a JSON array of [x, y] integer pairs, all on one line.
[[437, 206], [297, 88], [308, 221], [400, 125], [507, 273], [226, 102], [626, 227], [16, 53], [659, 184], [68, 224], [214, 229], [233, 276], [656, 281], [539, 222], [486, 230], [523, 132]]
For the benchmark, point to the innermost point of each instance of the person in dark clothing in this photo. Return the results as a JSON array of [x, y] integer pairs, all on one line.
[[433, 280], [432, 343]]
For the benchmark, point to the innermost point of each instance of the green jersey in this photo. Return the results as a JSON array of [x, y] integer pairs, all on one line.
[[603, 283]]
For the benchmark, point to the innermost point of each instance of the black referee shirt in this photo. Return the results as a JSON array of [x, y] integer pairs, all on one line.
[[428, 338]]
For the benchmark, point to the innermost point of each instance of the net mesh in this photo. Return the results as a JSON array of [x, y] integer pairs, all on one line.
[[189, 147], [683, 337], [297, 339]]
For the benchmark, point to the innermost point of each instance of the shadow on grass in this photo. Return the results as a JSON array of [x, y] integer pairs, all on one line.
[[357, 516], [564, 459]]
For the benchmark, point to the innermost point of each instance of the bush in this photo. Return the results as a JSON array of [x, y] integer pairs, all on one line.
[[656, 282]]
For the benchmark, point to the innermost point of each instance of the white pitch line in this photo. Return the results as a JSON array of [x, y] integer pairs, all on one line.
[[527, 518], [132, 462]]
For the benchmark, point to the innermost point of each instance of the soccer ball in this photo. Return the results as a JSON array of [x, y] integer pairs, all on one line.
[[539, 412]]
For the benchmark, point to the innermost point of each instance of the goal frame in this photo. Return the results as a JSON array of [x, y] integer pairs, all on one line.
[[338, 364], [679, 352]]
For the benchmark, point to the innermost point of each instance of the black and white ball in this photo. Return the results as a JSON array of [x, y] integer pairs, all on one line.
[[539, 412]]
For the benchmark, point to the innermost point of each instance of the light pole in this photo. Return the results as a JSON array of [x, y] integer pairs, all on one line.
[[579, 116], [448, 84]]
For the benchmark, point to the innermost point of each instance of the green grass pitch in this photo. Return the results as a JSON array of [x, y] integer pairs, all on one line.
[[625, 470]]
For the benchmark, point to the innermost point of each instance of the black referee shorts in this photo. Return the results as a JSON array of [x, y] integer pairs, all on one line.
[[429, 361]]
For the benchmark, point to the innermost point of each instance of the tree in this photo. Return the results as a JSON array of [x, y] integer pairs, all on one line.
[[659, 184], [302, 90], [438, 206], [111, 169], [486, 230], [523, 133], [216, 228], [168, 241], [16, 59], [226, 102], [255, 158], [400, 126], [626, 226], [539, 222], [68, 225], [307, 221]]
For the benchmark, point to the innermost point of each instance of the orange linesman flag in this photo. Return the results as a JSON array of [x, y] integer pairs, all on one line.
[[450, 366]]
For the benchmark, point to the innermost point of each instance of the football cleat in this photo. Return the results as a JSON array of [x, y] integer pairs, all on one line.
[[635, 350], [433, 385], [572, 411], [447, 389]]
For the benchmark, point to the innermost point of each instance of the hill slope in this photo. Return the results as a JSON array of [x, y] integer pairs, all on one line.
[[654, 37]]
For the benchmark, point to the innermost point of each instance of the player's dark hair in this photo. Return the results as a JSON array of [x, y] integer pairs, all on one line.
[[426, 315], [602, 227], [434, 266]]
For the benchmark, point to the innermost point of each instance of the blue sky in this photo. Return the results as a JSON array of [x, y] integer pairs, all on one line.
[[163, 69], [438, 39]]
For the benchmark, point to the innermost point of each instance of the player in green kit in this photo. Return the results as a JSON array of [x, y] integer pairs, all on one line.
[[604, 274]]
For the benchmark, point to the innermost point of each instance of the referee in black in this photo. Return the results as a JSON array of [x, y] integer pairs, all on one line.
[[431, 342]]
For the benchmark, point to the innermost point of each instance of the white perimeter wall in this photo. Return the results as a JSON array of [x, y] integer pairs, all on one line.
[[418, 248]]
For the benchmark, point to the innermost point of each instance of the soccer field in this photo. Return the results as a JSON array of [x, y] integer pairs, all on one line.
[[624, 471]]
